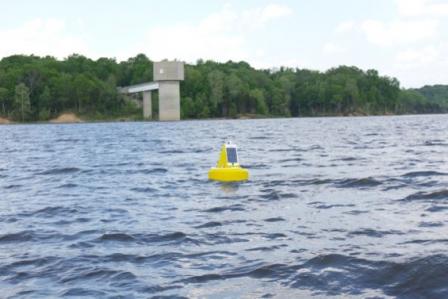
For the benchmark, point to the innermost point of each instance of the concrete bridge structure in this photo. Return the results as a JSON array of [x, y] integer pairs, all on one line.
[[167, 77]]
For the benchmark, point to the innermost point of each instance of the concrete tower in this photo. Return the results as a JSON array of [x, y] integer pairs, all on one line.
[[168, 75]]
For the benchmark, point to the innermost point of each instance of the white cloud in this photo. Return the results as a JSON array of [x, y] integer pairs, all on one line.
[[332, 48], [418, 57], [220, 36], [418, 66], [41, 37], [413, 8], [399, 32], [274, 11], [345, 27], [410, 7], [413, 39], [189, 43]]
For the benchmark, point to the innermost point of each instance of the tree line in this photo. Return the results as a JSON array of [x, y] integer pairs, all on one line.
[[39, 88]]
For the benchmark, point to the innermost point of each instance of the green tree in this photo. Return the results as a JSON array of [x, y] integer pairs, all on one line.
[[45, 103], [3, 99], [216, 83], [260, 103], [234, 89], [210, 89], [84, 89], [22, 101], [187, 108]]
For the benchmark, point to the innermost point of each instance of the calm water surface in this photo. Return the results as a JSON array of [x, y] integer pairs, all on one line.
[[349, 207]]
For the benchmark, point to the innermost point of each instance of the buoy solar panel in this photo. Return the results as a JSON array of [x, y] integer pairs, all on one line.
[[228, 168], [231, 155]]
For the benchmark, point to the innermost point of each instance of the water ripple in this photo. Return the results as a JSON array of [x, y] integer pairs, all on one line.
[[335, 207]]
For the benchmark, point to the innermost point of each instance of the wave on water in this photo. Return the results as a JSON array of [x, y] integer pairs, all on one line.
[[19, 237], [54, 211], [336, 275], [12, 186], [144, 238], [232, 208], [155, 171], [339, 183], [435, 195], [68, 186], [59, 171], [271, 194], [435, 143], [144, 190], [335, 207], [424, 174], [375, 233], [172, 152], [358, 183], [275, 219], [209, 224]]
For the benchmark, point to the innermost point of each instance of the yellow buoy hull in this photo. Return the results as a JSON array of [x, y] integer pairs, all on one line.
[[230, 174]]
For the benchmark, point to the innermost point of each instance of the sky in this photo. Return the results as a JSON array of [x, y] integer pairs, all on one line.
[[406, 39]]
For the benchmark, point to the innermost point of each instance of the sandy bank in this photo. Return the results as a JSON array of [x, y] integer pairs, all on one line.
[[4, 121], [66, 118]]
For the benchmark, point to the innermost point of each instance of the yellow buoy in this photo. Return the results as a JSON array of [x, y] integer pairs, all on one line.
[[228, 169]]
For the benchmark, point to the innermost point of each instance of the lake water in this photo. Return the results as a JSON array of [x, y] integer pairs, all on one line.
[[352, 207]]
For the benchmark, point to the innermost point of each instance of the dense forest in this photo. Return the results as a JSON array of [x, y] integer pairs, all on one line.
[[39, 88]]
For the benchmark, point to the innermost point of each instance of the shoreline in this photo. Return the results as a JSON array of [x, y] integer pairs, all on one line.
[[4, 121]]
